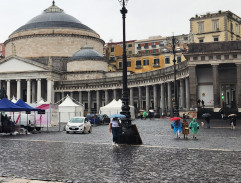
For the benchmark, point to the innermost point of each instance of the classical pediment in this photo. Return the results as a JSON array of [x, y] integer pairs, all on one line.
[[18, 64]]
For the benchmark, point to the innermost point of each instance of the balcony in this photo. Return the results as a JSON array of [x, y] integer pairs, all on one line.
[[138, 66], [138, 47], [153, 46], [156, 65], [146, 46]]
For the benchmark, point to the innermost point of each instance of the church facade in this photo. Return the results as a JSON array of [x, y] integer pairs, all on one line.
[[54, 54]]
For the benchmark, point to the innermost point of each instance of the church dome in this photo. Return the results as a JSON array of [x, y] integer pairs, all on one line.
[[87, 53], [53, 17]]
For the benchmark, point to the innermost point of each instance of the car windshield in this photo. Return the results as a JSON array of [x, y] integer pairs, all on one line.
[[77, 120]]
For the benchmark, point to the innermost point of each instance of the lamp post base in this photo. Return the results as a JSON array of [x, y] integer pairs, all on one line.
[[130, 135]]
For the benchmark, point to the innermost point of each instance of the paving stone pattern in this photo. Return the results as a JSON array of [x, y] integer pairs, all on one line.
[[57, 156]]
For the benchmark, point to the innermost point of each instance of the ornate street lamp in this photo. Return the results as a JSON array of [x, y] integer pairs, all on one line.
[[176, 106], [129, 132]]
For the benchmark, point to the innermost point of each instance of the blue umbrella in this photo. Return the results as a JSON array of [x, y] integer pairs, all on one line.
[[117, 116]]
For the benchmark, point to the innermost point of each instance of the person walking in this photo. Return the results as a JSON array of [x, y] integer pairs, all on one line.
[[185, 129], [177, 127], [114, 128], [207, 119], [144, 114], [202, 103], [194, 126]]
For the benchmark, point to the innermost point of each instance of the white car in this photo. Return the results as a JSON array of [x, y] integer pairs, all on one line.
[[78, 124]]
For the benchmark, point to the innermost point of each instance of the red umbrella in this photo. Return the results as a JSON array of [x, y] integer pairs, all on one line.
[[175, 118]]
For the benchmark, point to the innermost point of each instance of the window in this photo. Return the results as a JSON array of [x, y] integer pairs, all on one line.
[[200, 40], [235, 56], [138, 64], [226, 57], [162, 43], [237, 29], [215, 39], [112, 49], [153, 51], [129, 45], [218, 57], [130, 52], [156, 61], [128, 63], [210, 57], [146, 51], [194, 58], [179, 59], [167, 60], [120, 65], [215, 25], [202, 57], [139, 46], [153, 45], [200, 27], [139, 52], [145, 62], [146, 45]]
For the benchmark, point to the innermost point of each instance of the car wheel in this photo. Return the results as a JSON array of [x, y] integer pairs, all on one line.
[[67, 132], [90, 129]]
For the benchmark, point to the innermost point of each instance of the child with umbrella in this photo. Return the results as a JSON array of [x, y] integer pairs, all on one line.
[[194, 126], [176, 126]]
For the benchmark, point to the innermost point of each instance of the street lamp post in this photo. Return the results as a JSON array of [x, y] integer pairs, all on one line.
[[176, 106], [129, 132]]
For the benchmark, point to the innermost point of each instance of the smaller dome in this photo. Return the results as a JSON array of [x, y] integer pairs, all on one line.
[[87, 53]]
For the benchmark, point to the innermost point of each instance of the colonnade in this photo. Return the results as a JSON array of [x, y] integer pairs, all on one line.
[[156, 96], [31, 90]]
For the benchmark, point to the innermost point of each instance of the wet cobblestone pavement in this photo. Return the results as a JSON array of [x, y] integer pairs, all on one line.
[[57, 156]]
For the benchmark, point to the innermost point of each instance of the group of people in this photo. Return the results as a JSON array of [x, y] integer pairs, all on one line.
[[183, 127], [200, 102]]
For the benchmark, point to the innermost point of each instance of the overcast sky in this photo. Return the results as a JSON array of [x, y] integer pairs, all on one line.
[[145, 18]]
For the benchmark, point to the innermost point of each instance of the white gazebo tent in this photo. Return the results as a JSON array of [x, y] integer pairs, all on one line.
[[114, 107], [70, 108]]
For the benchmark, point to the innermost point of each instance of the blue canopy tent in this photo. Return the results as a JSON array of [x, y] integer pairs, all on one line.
[[8, 106], [27, 107]]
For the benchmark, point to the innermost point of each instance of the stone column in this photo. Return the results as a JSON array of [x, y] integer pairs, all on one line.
[[106, 97], [182, 96], [238, 89], [155, 97], [216, 87], [80, 97], [162, 98], [193, 86], [18, 89], [115, 94], [8, 89], [72, 94], [33, 91], [28, 91], [169, 95], [39, 96], [89, 102], [147, 98], [98, 100], [131, 96], [139, 98], [49, 90], [187, 94]]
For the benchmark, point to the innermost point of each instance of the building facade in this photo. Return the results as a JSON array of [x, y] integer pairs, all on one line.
[[2, 51], [50, 70], [212, 27]]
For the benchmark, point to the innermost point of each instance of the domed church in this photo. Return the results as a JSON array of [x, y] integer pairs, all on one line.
[[51, 47]]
